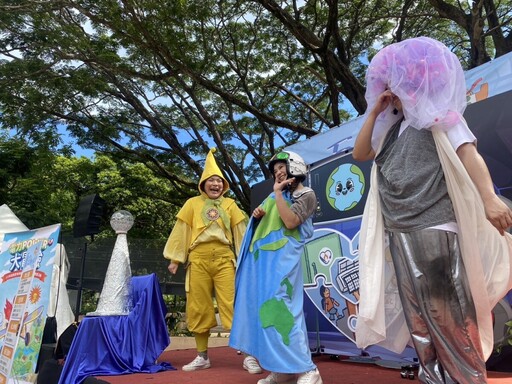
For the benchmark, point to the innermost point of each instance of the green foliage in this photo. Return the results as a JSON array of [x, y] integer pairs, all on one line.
[[89, 301], [15, 157], [45, 188], [176, 316], [507, 340], [509, 332]]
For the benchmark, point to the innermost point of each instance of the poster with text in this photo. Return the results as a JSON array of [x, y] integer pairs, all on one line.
[[26, 260]]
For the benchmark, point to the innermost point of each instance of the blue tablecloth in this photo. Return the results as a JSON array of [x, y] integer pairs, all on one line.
[[116, 345]]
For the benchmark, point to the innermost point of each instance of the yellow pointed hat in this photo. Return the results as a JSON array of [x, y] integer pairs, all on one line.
[[212, 169]]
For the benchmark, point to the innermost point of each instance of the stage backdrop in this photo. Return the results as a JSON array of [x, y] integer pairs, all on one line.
[[27, 260]]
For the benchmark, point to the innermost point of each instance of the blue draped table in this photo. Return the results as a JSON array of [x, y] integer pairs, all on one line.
[[117, 345]]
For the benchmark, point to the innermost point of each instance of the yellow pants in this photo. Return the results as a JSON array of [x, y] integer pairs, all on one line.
[[211, 272]]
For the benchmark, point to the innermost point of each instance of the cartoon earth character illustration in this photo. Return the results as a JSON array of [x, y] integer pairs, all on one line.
[[345, 187]]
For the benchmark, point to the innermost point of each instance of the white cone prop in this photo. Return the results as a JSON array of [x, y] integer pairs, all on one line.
[[116, 295]]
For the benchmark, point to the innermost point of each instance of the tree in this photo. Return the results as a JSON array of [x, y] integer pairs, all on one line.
[[486, 23], [52, 185], [159, 82], [15, 157]]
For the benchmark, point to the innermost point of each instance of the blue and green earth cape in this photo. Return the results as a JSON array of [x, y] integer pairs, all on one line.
[[269, 321]]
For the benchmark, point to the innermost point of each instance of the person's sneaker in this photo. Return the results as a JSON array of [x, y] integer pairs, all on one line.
[[198, 363], [251, 365], [310, 377], [278, 378]]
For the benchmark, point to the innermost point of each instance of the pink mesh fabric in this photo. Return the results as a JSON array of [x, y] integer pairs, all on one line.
[[427, 78]]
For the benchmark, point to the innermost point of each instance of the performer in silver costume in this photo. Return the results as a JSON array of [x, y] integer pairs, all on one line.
[[434, 195]]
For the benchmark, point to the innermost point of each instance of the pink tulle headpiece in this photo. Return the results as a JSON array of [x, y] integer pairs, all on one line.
[[426, 76]]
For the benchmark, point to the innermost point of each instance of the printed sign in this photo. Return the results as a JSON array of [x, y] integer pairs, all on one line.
[[27, 260]]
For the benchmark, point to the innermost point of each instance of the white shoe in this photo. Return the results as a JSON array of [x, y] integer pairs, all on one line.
[[198, 363], [251, 365], [310, 377], [278, 378]]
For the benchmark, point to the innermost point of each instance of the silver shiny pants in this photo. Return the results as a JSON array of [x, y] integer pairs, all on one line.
[[438, 306]]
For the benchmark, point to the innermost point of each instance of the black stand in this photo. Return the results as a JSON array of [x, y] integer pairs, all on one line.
[[80, 282]]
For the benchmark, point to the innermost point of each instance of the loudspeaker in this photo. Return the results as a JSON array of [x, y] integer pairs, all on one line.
[[88, 216]]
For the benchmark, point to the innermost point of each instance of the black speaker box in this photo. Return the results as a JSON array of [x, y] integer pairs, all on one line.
[[88, 216]]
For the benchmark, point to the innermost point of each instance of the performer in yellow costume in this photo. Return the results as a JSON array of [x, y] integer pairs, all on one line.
[[206, 239]]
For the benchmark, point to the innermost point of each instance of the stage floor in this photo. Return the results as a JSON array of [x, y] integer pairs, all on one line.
[[227, 368]]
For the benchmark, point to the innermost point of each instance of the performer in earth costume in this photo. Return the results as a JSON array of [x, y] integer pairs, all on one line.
[[269, 320]]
